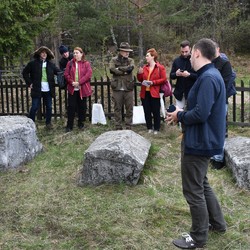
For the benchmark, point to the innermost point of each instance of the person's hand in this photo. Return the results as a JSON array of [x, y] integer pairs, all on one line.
[[179, 72], [171, 117], [147, 83], [75, 84], [185, 73]]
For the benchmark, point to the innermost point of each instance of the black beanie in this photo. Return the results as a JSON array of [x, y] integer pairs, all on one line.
[[63, 49]]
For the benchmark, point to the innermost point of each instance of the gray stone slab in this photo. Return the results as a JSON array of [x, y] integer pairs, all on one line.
[[18, 141], [115, 157], [237, 158]]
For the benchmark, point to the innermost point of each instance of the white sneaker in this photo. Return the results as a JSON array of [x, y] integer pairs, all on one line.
[[150, 131], [156, 132]]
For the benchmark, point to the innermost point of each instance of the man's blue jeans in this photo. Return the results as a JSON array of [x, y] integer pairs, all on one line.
[[220, 157], [36, 103]]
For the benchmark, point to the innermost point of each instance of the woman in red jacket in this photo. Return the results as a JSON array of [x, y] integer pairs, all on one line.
[[152, 76], [78, 73]]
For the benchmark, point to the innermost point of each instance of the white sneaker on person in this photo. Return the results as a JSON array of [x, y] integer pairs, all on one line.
[[187, 242]]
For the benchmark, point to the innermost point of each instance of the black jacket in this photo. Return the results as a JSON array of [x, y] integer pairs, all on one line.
[[183, 84], [225, 69], [63, 61], [32, 74]]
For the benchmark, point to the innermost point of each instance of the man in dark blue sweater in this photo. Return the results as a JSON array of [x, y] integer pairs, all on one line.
[[204, 134]]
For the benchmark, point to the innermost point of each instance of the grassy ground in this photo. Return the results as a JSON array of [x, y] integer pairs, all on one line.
[[42, 207]]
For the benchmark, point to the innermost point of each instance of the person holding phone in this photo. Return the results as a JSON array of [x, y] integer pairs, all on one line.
[[183, 73], [204, 136], [152, 75]]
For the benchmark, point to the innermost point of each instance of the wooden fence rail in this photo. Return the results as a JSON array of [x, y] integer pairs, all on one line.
[[15, 100]]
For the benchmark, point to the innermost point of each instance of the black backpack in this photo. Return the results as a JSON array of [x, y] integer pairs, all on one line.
[[61, 81]]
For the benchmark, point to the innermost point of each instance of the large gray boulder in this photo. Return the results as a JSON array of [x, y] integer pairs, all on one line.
[[237, 158], [18, 141], [115, 157]]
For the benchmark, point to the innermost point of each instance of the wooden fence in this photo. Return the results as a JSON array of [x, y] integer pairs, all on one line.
[[15, 100]]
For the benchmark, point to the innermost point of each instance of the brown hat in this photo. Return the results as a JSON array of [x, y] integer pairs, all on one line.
[[125, 47], [50, 54]]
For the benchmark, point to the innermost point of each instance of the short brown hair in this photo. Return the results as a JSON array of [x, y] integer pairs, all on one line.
[[185, 43], [80, 49], [153, 53], [207, 48]]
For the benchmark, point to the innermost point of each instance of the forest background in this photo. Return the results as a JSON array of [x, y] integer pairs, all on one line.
[[41, 206], [98, 26]]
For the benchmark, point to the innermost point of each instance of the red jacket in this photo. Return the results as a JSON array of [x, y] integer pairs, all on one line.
[[158, 77], [84, 76]]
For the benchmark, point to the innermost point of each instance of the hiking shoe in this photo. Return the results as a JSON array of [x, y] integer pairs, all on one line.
[[49, 126], [81, 126], [67, 130], [216, 164], [187, 242], [214, 229]]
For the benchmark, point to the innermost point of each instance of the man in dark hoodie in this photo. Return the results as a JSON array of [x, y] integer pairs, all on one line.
[[225, 68], [39, 76], [183, 73], [66, 56]]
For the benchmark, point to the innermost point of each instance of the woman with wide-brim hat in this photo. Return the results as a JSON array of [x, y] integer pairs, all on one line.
[[39, 77]]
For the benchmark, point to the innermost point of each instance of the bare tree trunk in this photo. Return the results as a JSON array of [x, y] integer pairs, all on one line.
[[140, 44], [139, 5], [128, 28], [113, 36]]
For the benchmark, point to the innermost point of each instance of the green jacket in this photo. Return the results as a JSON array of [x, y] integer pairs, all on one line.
[[121, 68]]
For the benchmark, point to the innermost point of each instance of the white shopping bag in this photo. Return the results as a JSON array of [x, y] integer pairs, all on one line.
[[163, 111], [138, 115], [98, 115]]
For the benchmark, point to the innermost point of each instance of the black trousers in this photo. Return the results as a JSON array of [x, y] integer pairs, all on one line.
[[151, 107], [203, 203], [75, 103]]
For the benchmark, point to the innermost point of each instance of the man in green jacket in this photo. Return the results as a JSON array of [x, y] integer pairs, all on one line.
[[122, 84]]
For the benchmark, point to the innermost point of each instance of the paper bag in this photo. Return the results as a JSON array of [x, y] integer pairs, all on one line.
[[138, 115], [98, 115]]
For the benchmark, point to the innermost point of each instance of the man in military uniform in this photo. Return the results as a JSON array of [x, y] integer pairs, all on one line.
[[122, 84]]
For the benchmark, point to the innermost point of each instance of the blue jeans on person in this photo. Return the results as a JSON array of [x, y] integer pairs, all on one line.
[[36, 103], [220, 157]]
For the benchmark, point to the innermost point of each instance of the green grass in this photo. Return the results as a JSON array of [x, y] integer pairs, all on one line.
[[42, 206]]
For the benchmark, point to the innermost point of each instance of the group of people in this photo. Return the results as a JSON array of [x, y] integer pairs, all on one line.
[[201, 93], [39, 75]]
